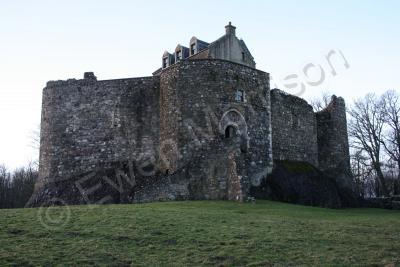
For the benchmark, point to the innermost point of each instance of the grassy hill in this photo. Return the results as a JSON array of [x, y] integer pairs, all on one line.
[[199, 233]]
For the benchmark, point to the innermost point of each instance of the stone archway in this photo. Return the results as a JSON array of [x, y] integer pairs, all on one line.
[[233, 124]]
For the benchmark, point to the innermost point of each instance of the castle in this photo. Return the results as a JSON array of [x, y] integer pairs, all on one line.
[[205, 126]]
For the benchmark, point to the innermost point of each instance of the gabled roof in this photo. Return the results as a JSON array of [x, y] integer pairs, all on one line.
[[166, 54], [244, 46], [179, 47]]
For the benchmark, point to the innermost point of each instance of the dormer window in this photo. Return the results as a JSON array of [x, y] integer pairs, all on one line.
[[165, 62], [178, 55], [239, 96], [192, 49], [243, 56]]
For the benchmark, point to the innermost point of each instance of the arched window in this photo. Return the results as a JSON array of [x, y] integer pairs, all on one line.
[[230, 131]]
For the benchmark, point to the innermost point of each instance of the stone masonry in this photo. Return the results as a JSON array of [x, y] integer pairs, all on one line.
[[205, 126]]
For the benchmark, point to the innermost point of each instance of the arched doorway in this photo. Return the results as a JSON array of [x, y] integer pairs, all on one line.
[[233, 124]]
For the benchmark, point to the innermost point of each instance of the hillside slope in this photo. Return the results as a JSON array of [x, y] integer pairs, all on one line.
[[199, 233]]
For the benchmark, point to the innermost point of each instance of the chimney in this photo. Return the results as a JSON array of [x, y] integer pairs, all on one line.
[[89, 76], [230, 29]]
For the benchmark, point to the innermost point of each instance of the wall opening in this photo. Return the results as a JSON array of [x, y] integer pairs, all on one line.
[[239, 96], [178, 55], [165, 62], [230, 132], [192, 49], [233, 125]]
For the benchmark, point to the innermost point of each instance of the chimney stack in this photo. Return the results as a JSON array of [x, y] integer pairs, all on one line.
[[230, 29]]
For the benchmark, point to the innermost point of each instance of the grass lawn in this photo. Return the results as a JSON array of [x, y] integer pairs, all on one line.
[[199, 233]]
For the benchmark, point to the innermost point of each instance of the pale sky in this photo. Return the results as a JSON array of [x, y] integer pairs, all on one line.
[[53, 40]]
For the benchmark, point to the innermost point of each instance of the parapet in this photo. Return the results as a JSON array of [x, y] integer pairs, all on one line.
[[88, 78], [291, 99]]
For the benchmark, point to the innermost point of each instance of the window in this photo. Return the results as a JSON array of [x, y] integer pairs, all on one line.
[[192, 49], [178, 55], [230, 131], [243, 56], [165, 62], [239, 97]]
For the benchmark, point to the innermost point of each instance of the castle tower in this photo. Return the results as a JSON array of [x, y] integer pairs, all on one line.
[[333, 143], [214, 126]]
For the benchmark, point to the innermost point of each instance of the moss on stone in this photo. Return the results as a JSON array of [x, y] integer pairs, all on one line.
[[297, 167]]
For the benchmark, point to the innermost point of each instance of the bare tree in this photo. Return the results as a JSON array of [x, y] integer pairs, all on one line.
[[35, 144], [4, 186], [362, 171], [321, 102], [35, 138], [391, 175], [391, 142], [366, 129], [16, 187], [3, 170]]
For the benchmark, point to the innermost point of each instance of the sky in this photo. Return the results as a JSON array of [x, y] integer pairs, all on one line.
[[349, 48]]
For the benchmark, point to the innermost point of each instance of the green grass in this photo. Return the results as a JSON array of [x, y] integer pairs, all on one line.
[[200, 233]]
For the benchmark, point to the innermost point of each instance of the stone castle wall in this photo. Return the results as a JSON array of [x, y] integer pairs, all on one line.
[[188, 126], [88, 123], [197, 105], [294, 129]]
